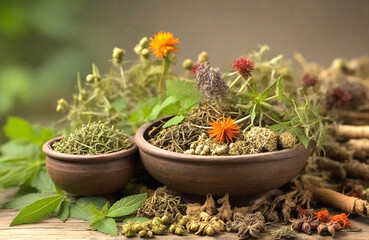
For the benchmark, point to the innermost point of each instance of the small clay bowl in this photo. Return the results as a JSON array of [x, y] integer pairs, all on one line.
[[240, 176], [90, 174]]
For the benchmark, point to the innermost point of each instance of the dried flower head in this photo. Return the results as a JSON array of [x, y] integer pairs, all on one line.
[[309, 80], [210, 81], [244, 66], [163, 44], [323, 216], [118, 55], [338, 97], [194, 69], [342, 219], [224, 131]]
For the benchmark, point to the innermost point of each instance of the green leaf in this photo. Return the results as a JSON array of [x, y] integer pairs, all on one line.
[[63, 212], [158, 108], [127, 205], [280, 92], [253, 113], [19, 149], [17, 128], [303, 139], [136, 219], [174, 121], [270, 88], [37, 210], [105, 225], [22, 201], [182, 89], [44, 183], [81, 210]]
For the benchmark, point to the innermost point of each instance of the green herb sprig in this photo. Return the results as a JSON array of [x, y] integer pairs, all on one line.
[[92, 139]]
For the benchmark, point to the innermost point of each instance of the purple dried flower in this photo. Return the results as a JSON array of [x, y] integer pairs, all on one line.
[[210, 81]]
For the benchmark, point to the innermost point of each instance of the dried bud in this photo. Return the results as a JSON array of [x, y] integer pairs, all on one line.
[[209, 230], [172, 228], [90, 78], [145, 53], [165, 220], [118, 55], [180, 230], [338, 97], [210, 82], [137, 49], [137, 227], [309, 80], [203, 57], [62, 105], [144, 42], [187, 64], [193, 227]]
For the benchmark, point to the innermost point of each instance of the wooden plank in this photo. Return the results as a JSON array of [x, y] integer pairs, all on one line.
[[53, 228]]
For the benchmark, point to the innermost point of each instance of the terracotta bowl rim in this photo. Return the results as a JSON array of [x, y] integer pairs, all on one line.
[[50, 152], [145, 146]]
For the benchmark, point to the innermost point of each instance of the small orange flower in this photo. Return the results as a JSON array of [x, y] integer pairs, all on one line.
[[342, 220], [163, 44], [225, 130], [323, 216]]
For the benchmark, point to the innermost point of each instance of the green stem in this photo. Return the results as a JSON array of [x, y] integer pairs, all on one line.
[[161, 79]]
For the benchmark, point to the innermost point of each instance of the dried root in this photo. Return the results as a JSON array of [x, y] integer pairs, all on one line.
[[351, 131]]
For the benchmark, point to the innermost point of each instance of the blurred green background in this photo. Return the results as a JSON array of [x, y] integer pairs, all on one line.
[[44, 43]]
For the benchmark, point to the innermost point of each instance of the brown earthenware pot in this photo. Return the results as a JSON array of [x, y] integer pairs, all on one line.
[[240, 176], [90, 174]]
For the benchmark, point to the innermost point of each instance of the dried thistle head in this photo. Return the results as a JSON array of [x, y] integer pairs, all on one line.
[[210, 82]]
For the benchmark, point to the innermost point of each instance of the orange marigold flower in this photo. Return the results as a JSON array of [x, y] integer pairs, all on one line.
[[225, 130], [163, 44], [323, 216], [342, 220]]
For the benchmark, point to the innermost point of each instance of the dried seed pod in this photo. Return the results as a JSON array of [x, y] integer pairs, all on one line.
[[183, 220], [209, 206], [165, 219], [306, 228], [209, 230], [193, 226], [179, 230], [231, 226], [158, 229], [137, 227], [225, 212], [128, 229], [189, 152], [193, 145], [172, 228], [204, 216]]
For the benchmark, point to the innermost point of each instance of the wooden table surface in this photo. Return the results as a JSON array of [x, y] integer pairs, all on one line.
[[53, 228]]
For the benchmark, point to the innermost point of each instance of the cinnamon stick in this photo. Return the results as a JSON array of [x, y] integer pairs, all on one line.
[[342, 202]]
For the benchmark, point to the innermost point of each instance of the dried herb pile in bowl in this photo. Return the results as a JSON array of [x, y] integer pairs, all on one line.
[[92, 139]]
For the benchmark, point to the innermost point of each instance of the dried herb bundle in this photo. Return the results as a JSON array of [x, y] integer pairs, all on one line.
[[92, 139], [162, 204]]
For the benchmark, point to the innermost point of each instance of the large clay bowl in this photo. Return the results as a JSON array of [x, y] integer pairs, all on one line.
[[240, 176], [90, 174]]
